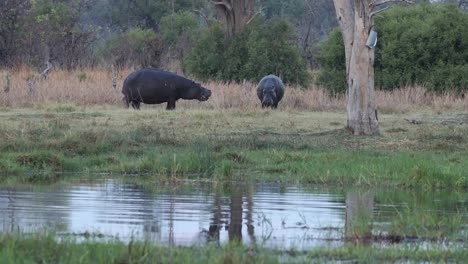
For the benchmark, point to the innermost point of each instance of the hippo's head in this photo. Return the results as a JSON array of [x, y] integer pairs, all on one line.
[[204, 94], [269, 96], [196, 91]]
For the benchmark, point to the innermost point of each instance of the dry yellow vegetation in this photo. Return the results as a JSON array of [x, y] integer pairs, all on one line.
[[23, 88]]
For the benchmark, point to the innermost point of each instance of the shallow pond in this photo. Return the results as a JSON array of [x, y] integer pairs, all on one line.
[[272, 215]]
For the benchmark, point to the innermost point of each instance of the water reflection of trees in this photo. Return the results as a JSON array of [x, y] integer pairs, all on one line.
[[233, 217], [359, 214], [29, 211]]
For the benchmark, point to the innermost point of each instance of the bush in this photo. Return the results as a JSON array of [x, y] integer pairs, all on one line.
[[419, 45], [264, 47], [206, 59], [333, 60], [178, 25]]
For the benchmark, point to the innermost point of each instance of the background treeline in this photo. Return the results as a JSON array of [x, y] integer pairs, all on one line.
[[425, 45]]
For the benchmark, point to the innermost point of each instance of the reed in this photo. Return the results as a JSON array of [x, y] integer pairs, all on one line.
[[95, 87]]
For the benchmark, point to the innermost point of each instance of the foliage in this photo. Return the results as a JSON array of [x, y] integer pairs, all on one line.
[[137, 47], [176, 25], [180, 31], [124, 14], [12, 20], [271, 49], [423, 44], [206, 59], [59, 35], [265, 47], [333, 61], [293, 10], [426, 44]]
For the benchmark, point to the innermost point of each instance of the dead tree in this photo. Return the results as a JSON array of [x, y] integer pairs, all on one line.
[[32, 79], [235, 14], [355, 18]]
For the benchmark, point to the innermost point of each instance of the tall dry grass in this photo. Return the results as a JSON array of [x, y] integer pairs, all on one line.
[[92, 87]]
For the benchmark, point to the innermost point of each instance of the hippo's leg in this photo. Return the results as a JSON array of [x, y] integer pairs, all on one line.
[[170, 105], [274, 106], [135, 104], [125, 100]]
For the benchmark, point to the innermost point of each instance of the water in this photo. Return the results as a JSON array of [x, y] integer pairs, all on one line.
[[194, 213]]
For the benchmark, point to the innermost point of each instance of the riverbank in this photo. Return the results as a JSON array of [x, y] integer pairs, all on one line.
[[44, 247], [45, 143]]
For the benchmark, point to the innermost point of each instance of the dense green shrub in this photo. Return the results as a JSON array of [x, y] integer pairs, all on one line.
[[333, 61], [420, 45], [206, 59], [265, 47], [177, 25]]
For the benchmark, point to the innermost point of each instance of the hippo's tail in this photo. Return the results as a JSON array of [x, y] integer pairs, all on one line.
[[125, 98]]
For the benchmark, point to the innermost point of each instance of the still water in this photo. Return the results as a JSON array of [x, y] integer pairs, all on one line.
[[194, 213]]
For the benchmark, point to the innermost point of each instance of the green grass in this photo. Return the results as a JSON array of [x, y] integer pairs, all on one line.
[[39, 144], [43, 248]]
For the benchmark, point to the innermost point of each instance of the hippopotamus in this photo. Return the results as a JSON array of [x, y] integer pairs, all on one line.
[[154, 86], [270, 91]]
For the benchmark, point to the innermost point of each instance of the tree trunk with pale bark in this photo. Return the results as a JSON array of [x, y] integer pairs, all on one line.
[[355, 18]]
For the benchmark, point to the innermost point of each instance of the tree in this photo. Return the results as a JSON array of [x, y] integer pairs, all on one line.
[[424, 45], [12, 17], [57, 33], [135, 47], [180, 32], [355, 18], [235, 14]]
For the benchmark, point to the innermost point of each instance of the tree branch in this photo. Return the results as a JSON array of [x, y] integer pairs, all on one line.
[[372, 14], [254, 15], [45, 73], [376, 3], [202, 14], [222, 3]]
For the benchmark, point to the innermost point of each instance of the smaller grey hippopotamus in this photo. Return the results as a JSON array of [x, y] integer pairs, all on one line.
[[270, 91], [154, 86]]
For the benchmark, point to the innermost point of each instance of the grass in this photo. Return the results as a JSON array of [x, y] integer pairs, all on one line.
[[297, 146], [43, 248], [94, 87]]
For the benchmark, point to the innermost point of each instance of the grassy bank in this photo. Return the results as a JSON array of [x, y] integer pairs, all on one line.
[[421, 148], [42, 248]]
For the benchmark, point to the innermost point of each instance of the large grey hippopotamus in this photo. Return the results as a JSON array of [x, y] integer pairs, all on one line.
[[270, 91], [154, 86]]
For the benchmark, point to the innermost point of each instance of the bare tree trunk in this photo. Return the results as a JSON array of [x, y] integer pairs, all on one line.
[[355, 18], [215, 225], [355, 23], [235, 208], [249, 215]]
